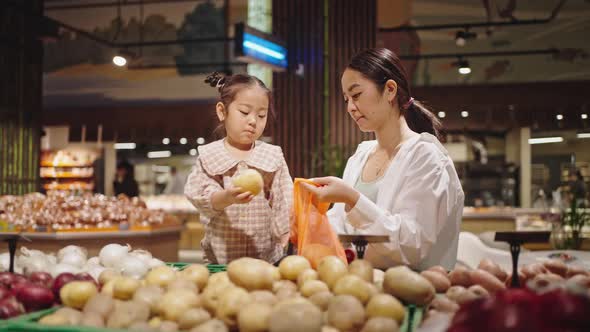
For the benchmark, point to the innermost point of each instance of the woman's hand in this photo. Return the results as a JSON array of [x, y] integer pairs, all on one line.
[[224, 198], [334, 190]]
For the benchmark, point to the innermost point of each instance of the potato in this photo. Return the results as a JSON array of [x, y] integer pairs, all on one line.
[[353, 285], [219, 278], [160, 276], [168, 326], [454, 292], [284, 284], [441, 283], [442, 303], [385, 305], [308, 274], [573, 270], [556, 266], [101, 304], [330, 269], [346, 312], [176, 302], [54, 320], [291, 266], [214, 325], [328, 328], [128, 313], [378, 324], [92, 319], [251, 274], [460, 277], [230, 305], [141, 327], [183, 284], [107, 275], [479, 291], [486, 280], [75, 294], [286, 293], [263, 296], [321, 300], [151, 295], [408, 285], [295, 317], [313, 286], [580, 280], [492, 267], [249, 180], [361, 268], [439, 269], [254, 317], [124, 288], [466, 296], [193, 317], [198, 274]]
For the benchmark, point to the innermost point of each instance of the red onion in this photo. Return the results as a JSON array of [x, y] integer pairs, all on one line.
[[84, 276], [60, 281], [4, 293], [41, 278], [10, 307], [35, 297], [6, 278]]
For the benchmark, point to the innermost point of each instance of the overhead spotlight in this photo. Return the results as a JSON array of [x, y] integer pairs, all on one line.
[[464, 114], [200, 140], [193, 152], [559, 117], [442, 115], [183, 140], [462, 36], [463, 66], [584, 116], [123, 57], [166, 141]]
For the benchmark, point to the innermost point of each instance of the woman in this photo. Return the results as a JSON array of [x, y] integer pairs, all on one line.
[[404, 184]]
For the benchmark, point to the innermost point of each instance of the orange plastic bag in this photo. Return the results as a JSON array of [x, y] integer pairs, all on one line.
[[310, 229]]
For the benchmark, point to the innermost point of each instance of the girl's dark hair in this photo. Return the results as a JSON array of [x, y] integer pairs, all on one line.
[[380, 65], [229, 86]]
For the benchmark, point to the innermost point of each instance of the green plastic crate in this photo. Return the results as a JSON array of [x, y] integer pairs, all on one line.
[[213, 268]]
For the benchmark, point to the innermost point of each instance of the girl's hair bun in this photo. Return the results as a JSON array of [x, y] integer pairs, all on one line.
[[215, 80]]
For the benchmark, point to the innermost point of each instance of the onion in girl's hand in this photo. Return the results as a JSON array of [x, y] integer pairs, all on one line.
[[249, 180]]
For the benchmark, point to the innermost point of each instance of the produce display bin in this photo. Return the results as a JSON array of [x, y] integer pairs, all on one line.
[[213, 268]]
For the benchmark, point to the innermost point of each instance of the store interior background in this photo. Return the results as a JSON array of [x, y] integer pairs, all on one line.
[[159, 103]]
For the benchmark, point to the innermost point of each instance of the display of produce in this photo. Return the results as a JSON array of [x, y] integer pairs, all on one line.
[[70, 169], [60, 210], [169, 203]]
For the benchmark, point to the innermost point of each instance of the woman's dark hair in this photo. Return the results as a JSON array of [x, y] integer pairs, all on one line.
[[380, 65], [229, 86]]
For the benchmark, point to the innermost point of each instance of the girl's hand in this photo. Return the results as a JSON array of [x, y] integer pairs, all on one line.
[[333, 190], [224, 198]]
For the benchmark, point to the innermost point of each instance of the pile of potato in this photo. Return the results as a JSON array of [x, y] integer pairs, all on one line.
[[251, 296]]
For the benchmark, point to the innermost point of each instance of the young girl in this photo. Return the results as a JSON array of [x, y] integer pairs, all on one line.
[[237, 223]]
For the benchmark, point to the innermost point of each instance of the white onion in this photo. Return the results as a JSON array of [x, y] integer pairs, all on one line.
[[154, 262], [131, 266], [31, 252], [111, 254], [52, 259], [93, 261], [95, 271], [144, 255], [74, 259], [35, 264], [61, 268], [5, 261], [72, 249]]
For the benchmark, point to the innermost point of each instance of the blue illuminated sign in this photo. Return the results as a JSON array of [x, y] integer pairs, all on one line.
[[255, 46]]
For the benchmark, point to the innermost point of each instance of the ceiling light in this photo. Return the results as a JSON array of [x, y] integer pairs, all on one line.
[[200, 140], [124, 146], [166, 141], [193, 152], [544, 140], [159, 154], [559, 116], [183, 140], [583, 135], [584, 116], [464, 114], [462, 36], [442, 114]]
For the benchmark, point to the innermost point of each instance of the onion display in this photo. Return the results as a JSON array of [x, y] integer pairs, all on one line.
[[35, 297]]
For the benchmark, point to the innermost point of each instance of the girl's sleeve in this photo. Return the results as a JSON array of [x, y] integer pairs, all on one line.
[[199, 188]]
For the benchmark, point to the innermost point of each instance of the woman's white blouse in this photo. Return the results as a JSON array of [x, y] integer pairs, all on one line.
[[419, 206]]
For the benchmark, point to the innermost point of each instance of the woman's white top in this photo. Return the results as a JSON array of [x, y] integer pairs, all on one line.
[[419, 205]]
